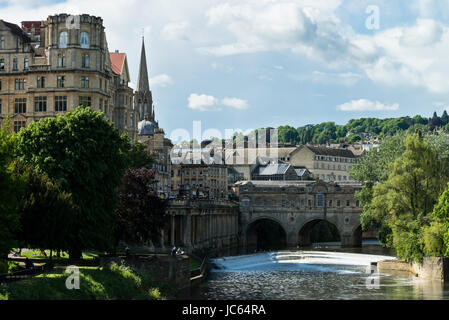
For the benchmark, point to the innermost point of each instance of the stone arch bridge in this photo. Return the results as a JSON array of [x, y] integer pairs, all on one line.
[[297, 206]]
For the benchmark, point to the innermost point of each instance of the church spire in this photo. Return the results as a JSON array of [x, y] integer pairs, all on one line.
[[143, 84], [143, 97]]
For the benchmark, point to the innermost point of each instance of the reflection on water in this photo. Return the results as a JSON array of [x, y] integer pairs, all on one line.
[[318, 273]]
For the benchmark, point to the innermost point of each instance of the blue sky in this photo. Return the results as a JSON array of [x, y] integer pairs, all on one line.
[[255, 63]]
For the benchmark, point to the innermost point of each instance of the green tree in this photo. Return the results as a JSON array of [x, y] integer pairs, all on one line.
[[441, 214], [140, 212], [84, 154], [11, 192], [47, 212], [372, 168], [138, 157], [405, 201]]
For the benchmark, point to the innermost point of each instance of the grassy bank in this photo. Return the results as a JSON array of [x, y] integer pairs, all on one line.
[[118, 282]]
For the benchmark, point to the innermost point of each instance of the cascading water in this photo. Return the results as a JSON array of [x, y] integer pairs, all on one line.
[[294, 275]]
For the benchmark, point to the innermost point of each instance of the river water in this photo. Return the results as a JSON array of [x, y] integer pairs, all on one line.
[[323, 272]]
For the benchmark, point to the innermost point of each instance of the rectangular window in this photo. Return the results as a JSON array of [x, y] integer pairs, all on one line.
[[61, 103], [14, 64], [61, 60], [61, 82], [40, 104], [2, 42], [20, 105], [338, 203], [348, 203], [85, 61], [25, 64], [41, 82], [18, 125], [2, 64], [20, 84], [0, 106], [85, 101], [84, 82], [0, 84]]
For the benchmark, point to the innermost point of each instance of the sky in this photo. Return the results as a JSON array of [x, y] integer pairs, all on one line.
[[247, 64]]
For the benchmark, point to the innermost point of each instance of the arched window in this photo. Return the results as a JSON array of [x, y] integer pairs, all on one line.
[[63, 40], [84, 40]]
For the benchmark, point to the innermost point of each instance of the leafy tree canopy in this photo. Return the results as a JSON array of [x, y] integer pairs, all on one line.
[[84, 154]]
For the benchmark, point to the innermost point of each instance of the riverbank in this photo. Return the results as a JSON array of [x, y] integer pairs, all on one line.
[[96, 283]]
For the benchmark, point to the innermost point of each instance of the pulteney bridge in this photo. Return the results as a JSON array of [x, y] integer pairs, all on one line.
[[297, 206]]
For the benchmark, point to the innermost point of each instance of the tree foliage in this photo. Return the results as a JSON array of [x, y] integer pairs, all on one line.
[[140, 212], [47, 212], [138, 157], [406, 199], [85, 155], [11, 192]]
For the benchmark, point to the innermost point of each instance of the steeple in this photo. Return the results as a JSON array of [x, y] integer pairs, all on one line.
[[143, 84], [143, 97]]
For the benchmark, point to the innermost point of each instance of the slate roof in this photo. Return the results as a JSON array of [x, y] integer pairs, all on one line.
[[16, 30], [332, 152]]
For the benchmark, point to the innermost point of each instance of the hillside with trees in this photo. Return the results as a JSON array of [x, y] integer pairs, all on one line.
[[355, 129]]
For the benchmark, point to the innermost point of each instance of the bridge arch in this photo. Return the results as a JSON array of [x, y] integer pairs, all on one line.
[[265, 233], [304, 232]]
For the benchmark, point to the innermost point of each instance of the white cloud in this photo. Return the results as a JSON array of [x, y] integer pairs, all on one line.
[[235, 103], [203, 102], [366, 105], [176, 31], [161, 80]]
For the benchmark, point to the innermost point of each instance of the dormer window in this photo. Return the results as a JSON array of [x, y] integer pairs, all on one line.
[[84, 40], [63, 40]]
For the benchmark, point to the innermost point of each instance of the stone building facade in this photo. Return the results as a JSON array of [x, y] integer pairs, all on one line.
[[202, 180], [328, 164], [50, 70]]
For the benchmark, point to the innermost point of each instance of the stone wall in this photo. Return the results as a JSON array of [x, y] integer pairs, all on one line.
[[431, 268]]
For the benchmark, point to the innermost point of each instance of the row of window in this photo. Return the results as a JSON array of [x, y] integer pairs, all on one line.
[[318, 201], [330, 177], [21, 84], [84, 40], [40, 104], [334, 159], [63, 40], [85, 62], [330, 167], [14, 64]]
